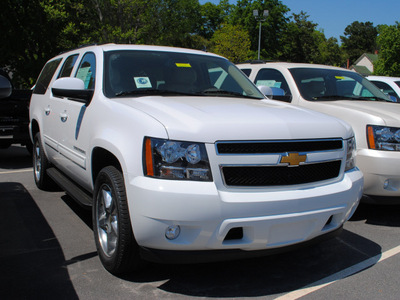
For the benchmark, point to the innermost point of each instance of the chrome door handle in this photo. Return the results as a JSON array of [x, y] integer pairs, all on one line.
[[63, 117]]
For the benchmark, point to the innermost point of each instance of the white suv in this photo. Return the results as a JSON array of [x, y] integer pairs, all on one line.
[[182, 158], [389, 85], [347, 95]]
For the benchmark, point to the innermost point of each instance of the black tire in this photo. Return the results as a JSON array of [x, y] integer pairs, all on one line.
[[29, 147], [116, 245], [40, 166]]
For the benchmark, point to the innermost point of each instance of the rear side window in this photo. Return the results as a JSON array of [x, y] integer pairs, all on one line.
[[246, 71], [87, 70], [45, 76], [68, 66]]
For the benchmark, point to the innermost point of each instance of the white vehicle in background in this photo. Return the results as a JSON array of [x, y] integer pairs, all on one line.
[[389, 85], [347, 95], [183, 159]]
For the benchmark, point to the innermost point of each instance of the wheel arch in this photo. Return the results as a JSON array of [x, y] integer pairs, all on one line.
[[101, 158], [34, 128]]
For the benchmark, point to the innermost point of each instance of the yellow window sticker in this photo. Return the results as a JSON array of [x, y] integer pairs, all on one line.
[[183, 65], [339, 77]]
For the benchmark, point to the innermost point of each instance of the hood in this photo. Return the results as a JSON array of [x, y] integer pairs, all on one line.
[[209, 119], [368, 112]]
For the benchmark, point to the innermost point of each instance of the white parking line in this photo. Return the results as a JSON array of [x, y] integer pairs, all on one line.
[[340, 275], [17, 171]]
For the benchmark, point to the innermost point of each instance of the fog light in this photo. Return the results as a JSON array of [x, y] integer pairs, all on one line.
[[386, 184], [172, 232]]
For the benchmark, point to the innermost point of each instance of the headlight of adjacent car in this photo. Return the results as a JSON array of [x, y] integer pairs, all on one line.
[[351, 154], [383, 138], [181, 160]]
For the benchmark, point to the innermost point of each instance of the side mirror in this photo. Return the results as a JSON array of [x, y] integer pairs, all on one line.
[[5, 87], [72, 88]]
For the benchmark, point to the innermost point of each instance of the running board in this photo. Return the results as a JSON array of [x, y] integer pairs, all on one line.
[[72, 189]]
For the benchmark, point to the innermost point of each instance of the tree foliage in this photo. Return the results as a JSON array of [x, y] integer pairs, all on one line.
[[231, 41], [388, 40], [271, 28], [359, 38], [301, 40], [36, 30]]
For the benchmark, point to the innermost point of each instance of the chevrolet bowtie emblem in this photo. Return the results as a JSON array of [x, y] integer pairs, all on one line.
[[293, 159]]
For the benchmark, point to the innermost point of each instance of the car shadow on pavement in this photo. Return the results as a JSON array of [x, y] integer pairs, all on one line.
[[384, 215], [15, 157], [265, 276], [256, 277], [31, 259]]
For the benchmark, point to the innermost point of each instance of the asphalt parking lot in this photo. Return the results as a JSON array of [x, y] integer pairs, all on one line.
[[47, 252]]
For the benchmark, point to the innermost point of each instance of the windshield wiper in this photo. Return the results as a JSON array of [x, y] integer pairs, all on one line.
[[151, 92], [218, 92], [339, 97]]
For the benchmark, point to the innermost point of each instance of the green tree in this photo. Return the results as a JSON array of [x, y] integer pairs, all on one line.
[[301, 40], [359, 38], [213, 16], [388, 40], [179, 22], [232, 42], [271, 28], [29, 38], [330, 52]]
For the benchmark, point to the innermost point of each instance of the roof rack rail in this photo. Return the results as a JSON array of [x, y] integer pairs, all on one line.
[[256, 61], [81, 46]]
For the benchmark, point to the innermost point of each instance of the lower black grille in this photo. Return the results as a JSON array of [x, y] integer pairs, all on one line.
[[280, 175]]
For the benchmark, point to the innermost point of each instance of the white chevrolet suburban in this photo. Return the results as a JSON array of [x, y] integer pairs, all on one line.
[[183, 159], [345, 94]]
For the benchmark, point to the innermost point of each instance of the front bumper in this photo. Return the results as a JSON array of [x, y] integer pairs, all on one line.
[[381, 171], [11, 134], [266, 218]]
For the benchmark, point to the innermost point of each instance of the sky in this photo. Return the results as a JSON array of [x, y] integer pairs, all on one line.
[[333, 16]]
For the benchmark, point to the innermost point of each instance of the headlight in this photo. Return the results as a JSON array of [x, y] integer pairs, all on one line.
[[383, 138], [351, 154], [176, 160]]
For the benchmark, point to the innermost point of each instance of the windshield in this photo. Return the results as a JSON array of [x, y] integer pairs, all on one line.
[[135, 73], [317, 84]]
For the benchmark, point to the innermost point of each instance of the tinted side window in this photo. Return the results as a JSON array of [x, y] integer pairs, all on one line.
[[274, 79], [384, 87], [68, 66], [246, 71], [45, 76], [87, 70]]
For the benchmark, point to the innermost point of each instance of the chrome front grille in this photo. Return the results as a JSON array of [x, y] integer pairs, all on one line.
[[279, 174]]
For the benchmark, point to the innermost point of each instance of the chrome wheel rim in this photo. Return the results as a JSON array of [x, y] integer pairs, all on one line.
[[38, 161], [107, 220]]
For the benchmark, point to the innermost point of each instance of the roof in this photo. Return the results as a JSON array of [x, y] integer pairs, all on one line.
[[383, 78], [113, 47], [371, 57], [289, 65], [363, 70]]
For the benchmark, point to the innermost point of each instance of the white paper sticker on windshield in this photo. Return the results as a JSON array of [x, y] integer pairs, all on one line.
[[270, 83], [142, 82]]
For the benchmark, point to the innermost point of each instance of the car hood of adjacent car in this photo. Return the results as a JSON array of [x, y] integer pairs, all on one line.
[[209, 119], [373, 112]]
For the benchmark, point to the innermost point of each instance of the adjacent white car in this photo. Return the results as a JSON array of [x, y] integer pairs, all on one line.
[[349, 96], [389, 85], [183, 159]]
